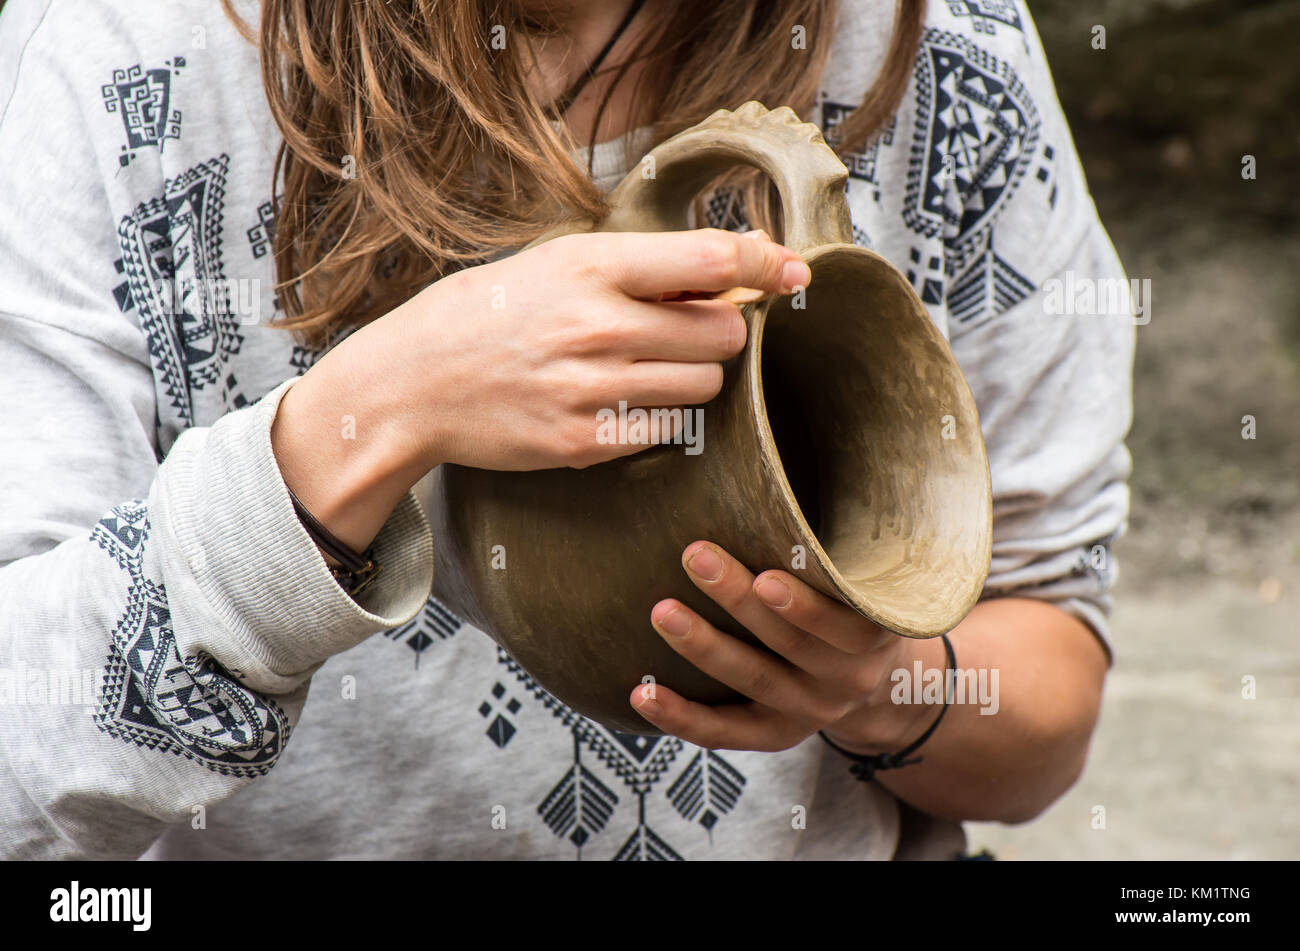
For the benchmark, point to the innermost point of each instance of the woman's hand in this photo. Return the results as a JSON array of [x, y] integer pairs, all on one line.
[[830, 667], [831, 670], [505, 365]]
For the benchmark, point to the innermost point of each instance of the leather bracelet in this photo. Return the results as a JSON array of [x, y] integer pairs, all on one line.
[[355, 571], [865, 767]]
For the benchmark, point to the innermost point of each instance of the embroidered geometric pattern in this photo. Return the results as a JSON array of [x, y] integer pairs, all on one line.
[[175, 281], [926, 274], [861, 165], [261, 237], [262, 234], [1045, 172], [433, 621], [143, 100], [708, 788], [156, 699], [990, 287], [976, 135], [580, 805], [644, 846], [501, 730], [976, 132], [302, 358], [986, 14], [640, 761]]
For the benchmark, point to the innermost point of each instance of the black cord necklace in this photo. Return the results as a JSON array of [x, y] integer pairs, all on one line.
[[561, 105]]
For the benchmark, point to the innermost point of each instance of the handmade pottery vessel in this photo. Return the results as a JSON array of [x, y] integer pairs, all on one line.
[[844, 447]]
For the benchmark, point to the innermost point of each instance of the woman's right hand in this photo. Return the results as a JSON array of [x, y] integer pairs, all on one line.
[[505, 365]]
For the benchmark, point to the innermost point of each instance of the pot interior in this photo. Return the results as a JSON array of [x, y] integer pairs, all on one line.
[[879, 439]]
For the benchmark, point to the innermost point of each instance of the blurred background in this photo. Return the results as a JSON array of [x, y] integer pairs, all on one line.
[[1183, 764]]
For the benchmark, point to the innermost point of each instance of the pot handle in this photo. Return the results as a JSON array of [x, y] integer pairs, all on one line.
[[809, 177]]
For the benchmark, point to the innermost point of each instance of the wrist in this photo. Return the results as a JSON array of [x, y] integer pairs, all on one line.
[[900, 709], [407, 386], [340, 451]]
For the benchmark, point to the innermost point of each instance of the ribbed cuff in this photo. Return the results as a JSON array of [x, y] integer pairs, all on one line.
[[245, 582]]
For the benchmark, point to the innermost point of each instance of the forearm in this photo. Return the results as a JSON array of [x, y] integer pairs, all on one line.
[[1009, 765], [341, 444]]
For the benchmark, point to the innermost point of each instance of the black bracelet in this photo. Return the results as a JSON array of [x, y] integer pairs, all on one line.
[[865, 767], [355, 571]]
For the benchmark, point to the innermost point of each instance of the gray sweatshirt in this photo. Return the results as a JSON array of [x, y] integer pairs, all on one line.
[[179, 674]]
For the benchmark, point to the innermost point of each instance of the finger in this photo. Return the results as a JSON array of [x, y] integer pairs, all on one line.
[[736, 295], [756, 673], [836, 624], [730, 584], [659, 431], [657, 383], [688, 331], [732, 726], [649, 265]]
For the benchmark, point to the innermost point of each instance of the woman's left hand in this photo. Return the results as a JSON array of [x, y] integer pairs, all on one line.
[[829, 667]]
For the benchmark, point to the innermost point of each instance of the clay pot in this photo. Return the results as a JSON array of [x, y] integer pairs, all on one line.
[[845, 447]]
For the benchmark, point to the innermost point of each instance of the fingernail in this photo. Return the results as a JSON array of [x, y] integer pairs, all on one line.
[[705, 564], [645, 700], [757, 233], [795, 274], [675, 623], [773, 592]]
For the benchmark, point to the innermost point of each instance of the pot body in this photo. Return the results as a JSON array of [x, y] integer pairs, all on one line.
[[585, 554]]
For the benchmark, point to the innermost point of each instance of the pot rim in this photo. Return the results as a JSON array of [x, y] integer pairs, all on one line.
[[771, 460]]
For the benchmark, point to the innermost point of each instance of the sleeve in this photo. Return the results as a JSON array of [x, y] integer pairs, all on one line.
[[1042, 321], [159, 622]]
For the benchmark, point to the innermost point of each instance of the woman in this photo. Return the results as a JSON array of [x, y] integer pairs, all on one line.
[[184, 346]]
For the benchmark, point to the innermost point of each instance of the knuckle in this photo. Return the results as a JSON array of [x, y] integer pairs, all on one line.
[[732, 329], [796, 644], [773, 265], [589, 390], [726, 589], [596, 332], [719, 256], [759, 683], [739, 333], [593, 270], [808, 614], [716, 379], [728, 594], [579, 448], [708, 384], [578, 254], [694, 646], [575, 395], [551, 252], [864, 679]]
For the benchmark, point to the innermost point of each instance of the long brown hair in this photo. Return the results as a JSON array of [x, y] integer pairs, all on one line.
[[413, 147]]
